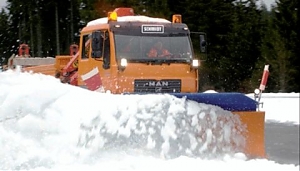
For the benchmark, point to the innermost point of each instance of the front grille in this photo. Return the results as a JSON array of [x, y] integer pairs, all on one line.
[[157, 86]]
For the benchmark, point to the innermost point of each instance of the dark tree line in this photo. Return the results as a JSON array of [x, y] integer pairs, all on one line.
[[242, 35]]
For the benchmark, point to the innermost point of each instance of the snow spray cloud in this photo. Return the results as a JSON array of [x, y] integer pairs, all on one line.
[[44, 123], [168, 128]]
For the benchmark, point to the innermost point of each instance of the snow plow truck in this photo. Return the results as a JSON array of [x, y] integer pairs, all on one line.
[[113, 56]]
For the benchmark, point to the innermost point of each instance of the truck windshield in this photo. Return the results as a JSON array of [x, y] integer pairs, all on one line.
[[175, 48]]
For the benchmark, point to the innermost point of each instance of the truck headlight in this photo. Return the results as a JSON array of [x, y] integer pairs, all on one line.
[[123, 63], [195, 63]]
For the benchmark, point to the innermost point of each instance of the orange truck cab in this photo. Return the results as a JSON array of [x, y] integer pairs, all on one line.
[[118, 47]]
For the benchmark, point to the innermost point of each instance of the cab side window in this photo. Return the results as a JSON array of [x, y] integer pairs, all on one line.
[[106, 50], [86, 44]]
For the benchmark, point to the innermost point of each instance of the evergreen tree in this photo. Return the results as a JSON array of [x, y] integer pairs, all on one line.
[[286, 21], [241, 38], [6, 41], [244, 47], [217, 19], [281, 47], [91, 9]]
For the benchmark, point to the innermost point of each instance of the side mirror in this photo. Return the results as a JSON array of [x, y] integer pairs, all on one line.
[[202, 44], [97, 44]]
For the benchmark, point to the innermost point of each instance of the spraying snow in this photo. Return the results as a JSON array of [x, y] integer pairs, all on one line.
[[161, 125]]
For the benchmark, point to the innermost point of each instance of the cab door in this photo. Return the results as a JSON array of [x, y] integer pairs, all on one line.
[[96, 59]]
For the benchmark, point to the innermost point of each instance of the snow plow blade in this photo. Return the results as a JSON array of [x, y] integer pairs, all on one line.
[[243, 106], [43, 69], [227, 101], [255, 135]]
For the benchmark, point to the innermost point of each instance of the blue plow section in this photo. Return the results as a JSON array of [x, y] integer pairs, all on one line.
[[227, 101]]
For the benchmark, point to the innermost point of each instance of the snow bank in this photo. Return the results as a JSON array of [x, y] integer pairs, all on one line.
[[46, 123], [139, 18], [280, 107], [164, 126]]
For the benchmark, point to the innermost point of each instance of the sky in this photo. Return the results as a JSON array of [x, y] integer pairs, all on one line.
[[47, 125], [2, 3]]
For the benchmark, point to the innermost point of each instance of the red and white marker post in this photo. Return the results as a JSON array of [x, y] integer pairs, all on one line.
[[262, 86], [264, 78]]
